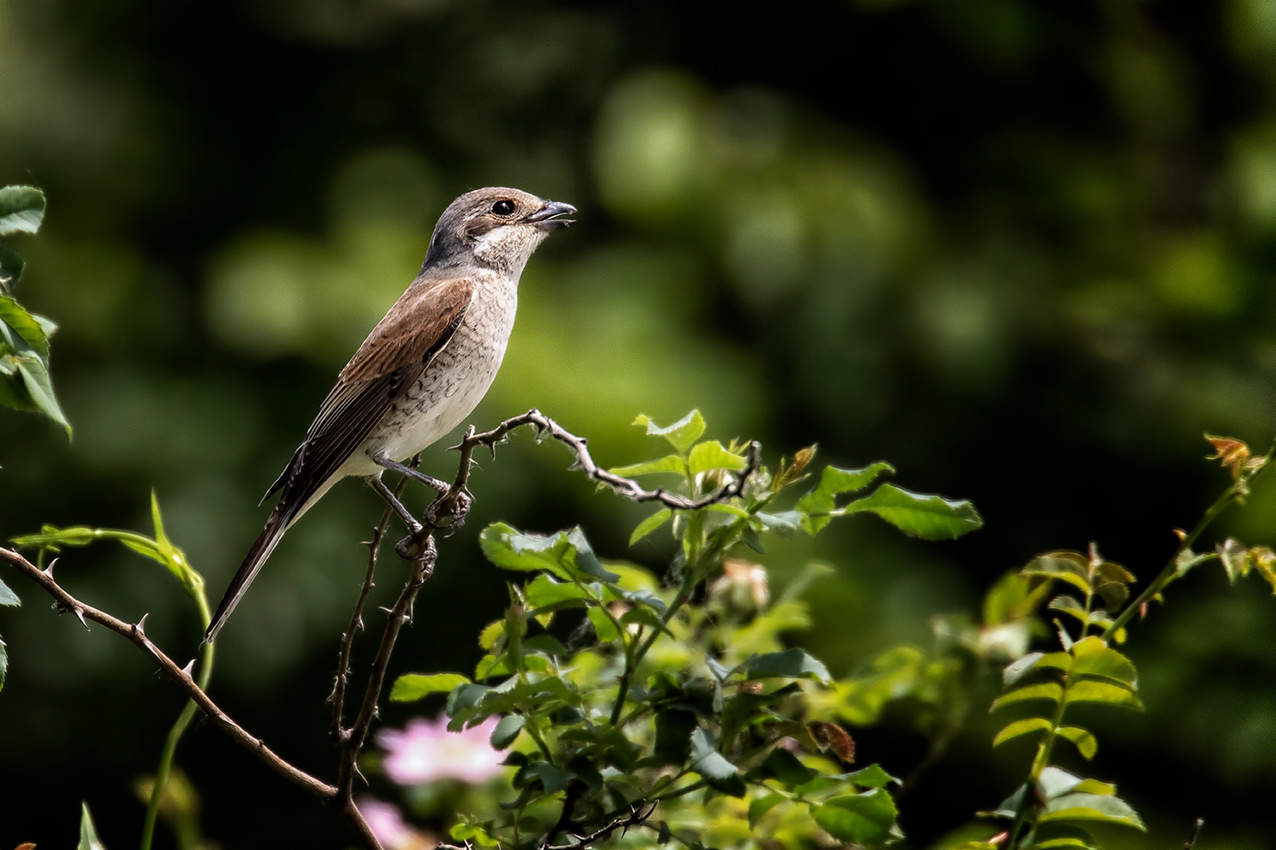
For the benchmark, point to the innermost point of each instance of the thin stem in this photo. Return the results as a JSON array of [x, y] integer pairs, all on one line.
[[179, 728]]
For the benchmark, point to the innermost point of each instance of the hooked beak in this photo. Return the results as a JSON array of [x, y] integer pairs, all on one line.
[[548, 217]]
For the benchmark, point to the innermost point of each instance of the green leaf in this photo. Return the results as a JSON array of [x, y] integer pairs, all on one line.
[[35, 379], [669, 463], [866, 818], [8, 597], [1055, 781], [835, 481], [21, 211], [544, 591], [787, 768], [1051, 691], [566, 554], [552, 777], [650, 524], [1090, 690], [1091, 807], [11, 267], [1091, 657], [414, 686], [682, 434], [1067, 566], [1060, 835], [604, 626], [469, 832], [1027, 726], [708, 455], [709, 763], [4, 663], [88, 834], [507, 730], [759, 807], [26, 326], [873, 776], [788, 663], [1035, 661], [924, 516], [1085, 742]]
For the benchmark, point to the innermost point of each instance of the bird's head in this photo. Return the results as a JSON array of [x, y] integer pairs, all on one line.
[[495, 227]]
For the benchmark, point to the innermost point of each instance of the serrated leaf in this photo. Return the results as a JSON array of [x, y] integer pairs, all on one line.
[[1107, 693], [1066, 566], [1091, 657], [88, 833], [925, 516], [759, 807], [21, 210], [414, 686], [789, 663], [1048, 691], [25, 325], [507, 730], [650, 524], [866, 818], [835, 481], [669, 463], [8, 597], [1091, 807], [566, 554], [1018, 728], [490, 633], [711, 455], [682, 434], [1085, 742]]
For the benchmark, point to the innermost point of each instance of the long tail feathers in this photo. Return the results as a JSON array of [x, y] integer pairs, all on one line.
[[257, 555]]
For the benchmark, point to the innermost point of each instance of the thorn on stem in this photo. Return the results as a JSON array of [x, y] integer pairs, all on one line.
[[79, 613], [48, 571], [140, 627], [189, 670]]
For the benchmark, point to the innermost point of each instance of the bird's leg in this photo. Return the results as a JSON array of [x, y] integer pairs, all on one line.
[[442, 487], [392, 501]]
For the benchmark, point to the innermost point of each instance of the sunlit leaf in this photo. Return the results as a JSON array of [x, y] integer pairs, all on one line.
[[544, 591], [1047, 691], [872, 776], [711, 455], [32, 332], [88, 833], [1108, 693], [1035, 661], [604, 626], [1018, 728], [682, 434], [1066, 566], [835, 481], [759, 807], [791, 663], [650, 524], [1085, 742], [860, 818], [566, 554], [8, 597], [669, 463], [925, 516], [1055, 781], [1091, 657], [21, 210], [415, 686], [1092, 807]]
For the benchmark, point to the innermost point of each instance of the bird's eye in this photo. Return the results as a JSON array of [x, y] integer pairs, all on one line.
[[503, 207]]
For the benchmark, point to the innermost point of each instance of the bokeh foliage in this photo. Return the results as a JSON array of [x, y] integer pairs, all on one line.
[[1020, 249]]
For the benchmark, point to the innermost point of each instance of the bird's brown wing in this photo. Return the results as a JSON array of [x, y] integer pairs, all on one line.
[[389, 362]]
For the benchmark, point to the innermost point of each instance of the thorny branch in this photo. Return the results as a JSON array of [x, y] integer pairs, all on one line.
[[135, 633], [626, 487], [453, 503]]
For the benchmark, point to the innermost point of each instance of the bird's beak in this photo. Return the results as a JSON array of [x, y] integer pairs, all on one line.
[[548, 216]]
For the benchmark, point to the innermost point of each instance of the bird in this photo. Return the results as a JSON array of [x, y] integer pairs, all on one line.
[[422, 369]]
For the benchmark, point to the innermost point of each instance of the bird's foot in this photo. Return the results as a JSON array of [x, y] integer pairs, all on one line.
[[450, 509]]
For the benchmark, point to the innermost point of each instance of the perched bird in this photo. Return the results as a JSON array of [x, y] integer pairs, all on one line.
[[422, 369]]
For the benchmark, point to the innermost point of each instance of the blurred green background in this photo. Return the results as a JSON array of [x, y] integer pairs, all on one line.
[[1023, 250]]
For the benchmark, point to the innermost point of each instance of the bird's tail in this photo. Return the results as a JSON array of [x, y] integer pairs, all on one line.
[[257, 555]]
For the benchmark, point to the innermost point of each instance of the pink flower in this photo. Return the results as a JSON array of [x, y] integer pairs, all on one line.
[[388, 826], [426, 752]]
